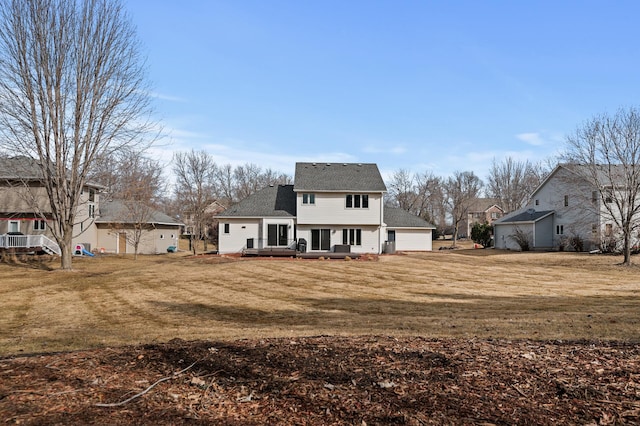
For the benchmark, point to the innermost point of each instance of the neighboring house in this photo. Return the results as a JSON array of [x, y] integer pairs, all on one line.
[[210, 212], [564, 207], [330, 207], [117, 224], [483, 210], [25, 209]]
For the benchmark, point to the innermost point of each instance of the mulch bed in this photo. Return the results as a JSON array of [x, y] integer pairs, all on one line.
[[328, 380]]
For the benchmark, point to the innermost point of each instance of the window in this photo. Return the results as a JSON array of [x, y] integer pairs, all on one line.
[[249, 243], [608, 197], [39, 225], [308, 198], [320, 239], [14, 226], [566, 200], [92, 195], [226, 228], [357, 201], [352, 237], [559, 229], [494, 215], [537, 202], [92, 210]]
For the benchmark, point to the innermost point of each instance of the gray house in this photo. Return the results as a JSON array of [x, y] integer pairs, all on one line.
[[565, 207], [330, 205]]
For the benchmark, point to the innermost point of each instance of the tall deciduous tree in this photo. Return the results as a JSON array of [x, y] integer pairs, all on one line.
[[461, 190], [419, 193], [512, 182], [72, 88], [194, 188], [138, 186], [607, 148]]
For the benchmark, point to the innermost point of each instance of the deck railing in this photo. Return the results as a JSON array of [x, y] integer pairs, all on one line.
[[8, 241]]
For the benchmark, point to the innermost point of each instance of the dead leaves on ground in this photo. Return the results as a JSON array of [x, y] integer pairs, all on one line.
[[329, 380]]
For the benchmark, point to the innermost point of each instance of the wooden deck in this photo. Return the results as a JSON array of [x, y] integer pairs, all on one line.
[[284, 252]]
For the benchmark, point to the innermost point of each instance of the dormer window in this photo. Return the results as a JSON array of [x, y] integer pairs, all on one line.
[[357, 201], [308, 198]]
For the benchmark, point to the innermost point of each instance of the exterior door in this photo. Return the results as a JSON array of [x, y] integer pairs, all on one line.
[[391, 236], [321, 239], [277, 235], [122, 243]]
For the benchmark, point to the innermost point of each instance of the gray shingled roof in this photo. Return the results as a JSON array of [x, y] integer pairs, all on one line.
[[271, 201], [343, 177], [19, 168], [25, 168], [114, 211], [525, 216], [396, 217]]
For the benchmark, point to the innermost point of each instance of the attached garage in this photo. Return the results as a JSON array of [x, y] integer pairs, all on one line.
[[535, 226]]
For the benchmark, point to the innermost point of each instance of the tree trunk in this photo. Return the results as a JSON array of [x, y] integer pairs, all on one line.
[[66, 257], [627, 244]]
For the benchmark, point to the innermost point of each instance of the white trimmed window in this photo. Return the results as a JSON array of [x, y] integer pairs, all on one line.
[[308, 199], [357, 201], [39, 225], [352, 237]]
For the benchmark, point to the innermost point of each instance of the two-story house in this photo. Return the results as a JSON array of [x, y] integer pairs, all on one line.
[[26, 218], [483, 210], [331, 207], [564, 207]]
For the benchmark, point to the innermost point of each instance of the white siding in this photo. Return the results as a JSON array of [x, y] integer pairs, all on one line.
[[413, 239], [370, 242], [239, 231], [330, 209], [503, 232]]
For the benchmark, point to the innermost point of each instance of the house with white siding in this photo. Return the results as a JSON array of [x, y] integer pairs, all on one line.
[[565, 207], [332, 207]]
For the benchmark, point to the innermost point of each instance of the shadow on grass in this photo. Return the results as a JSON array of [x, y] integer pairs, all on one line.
[[38, 262], [343, 314]]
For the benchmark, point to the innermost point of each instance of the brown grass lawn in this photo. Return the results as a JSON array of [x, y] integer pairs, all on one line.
[[112, 300]]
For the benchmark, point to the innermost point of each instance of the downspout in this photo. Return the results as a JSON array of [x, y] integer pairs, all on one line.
[[534, 234], [381, 222]]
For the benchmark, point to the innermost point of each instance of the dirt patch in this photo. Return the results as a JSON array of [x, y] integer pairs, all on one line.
[[328, 380]]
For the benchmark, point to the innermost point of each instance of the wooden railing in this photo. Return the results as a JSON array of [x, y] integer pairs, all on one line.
[[8, 241]]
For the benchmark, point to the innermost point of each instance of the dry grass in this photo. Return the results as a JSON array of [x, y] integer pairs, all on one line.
[[114, 300]]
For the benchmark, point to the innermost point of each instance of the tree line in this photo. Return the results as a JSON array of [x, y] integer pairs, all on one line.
[[200, 181]]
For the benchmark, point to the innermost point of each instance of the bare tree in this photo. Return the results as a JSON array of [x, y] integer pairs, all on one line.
[[71, 89], [137, 190], [512, 182], [195, 171], [461, 190], [419, 193], [224, 183], [606, 150]]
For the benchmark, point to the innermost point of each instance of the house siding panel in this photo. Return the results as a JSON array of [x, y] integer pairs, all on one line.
[[413, 239], [330, 209], [239, 231]]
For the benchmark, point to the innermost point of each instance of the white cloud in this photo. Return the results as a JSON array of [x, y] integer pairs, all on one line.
[[531, 138]]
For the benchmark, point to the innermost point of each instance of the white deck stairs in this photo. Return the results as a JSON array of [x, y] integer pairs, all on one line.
[[24, 242]]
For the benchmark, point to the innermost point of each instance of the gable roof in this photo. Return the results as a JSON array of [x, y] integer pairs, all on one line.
[[26, 169], [115, 211], [524, 216], [272, 201], [484, 204], [338, 177], [395, 217]]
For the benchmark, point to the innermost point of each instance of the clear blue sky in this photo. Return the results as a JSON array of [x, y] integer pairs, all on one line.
[[422, 85]]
